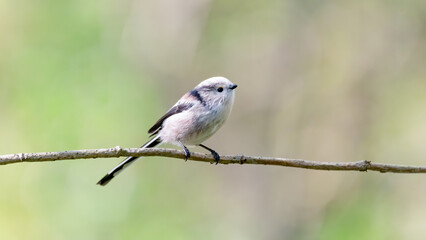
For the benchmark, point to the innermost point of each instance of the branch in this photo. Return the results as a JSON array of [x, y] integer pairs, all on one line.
[[237, 159]]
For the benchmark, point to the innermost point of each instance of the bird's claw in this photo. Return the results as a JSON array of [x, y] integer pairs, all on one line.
[[216, 157], [187, 153], [187, 156]]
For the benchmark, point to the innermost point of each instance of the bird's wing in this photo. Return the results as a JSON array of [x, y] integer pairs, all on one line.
[[178, 108]]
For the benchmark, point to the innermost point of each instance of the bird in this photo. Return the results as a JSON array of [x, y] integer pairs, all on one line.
[[195, 117]]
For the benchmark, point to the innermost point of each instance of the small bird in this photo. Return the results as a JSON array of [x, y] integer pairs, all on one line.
[[192, 120]]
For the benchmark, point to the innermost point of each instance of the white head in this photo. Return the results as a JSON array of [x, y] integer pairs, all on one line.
[[216, 90]]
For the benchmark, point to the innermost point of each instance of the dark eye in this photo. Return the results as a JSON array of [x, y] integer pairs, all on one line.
[[220, 89]]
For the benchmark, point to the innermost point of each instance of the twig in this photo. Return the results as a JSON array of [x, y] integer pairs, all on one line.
[[236, 159]]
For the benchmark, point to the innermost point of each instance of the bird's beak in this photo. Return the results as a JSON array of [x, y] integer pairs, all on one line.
[[233, 86]]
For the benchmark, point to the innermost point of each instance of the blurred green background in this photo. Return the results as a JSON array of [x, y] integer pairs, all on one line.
[[319, 80]]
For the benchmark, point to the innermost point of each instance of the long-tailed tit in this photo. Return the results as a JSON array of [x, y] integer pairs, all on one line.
[[192, 120]]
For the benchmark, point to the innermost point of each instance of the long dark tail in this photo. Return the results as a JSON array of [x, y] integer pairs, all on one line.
[[120, 167]]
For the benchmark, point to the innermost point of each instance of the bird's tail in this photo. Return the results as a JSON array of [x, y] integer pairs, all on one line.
[[120, 167]]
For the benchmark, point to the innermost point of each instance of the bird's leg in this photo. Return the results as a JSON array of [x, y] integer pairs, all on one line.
[[213, 152], [187, 152]]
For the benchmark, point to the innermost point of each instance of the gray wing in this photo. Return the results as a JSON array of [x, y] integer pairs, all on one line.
[[174, 110]]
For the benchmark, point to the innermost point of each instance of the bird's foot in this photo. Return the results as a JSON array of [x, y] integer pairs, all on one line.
[[215, 156], [187, 153], [213, 152]]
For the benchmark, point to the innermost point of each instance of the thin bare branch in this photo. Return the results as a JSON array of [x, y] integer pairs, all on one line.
[[236, 159]]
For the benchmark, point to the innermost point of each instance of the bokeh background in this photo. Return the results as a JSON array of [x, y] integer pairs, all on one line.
[[319, 80]]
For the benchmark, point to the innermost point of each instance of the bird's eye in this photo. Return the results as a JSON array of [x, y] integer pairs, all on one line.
[[220, 89]]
